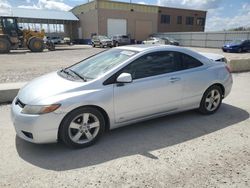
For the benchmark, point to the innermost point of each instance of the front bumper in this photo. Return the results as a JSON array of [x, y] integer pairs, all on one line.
[[36, 128], [230, 49]]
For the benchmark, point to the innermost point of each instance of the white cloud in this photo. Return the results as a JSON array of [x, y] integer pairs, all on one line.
[[142, 2], [49, 4], [195, 4], [4, 7], [216, 22]]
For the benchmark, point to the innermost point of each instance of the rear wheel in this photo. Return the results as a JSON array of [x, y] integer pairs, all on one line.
[[36, 45], [211, 100], [4, 45], [82, 127]]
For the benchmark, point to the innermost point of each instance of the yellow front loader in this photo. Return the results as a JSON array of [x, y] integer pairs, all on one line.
[[12, 37]]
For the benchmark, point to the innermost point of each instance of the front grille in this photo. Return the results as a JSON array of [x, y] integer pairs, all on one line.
[[19, 103]]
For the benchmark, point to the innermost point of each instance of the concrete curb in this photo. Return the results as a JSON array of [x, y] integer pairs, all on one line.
[[8, 91], [239, 65]]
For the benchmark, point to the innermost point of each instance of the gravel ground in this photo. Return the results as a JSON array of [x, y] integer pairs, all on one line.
[[22, 65], [182, 150]]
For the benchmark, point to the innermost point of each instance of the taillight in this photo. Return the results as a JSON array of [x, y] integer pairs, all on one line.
[[228, 68]]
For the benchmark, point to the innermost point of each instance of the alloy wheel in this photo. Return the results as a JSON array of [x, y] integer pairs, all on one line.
[[213, 100], [84, 128]]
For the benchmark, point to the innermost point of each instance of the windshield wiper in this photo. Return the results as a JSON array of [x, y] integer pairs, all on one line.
[[84, 79], [66, 72]]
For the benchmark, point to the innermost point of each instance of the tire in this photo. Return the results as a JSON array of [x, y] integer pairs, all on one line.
[[211, 100], [116, 44], [239, 50], [93, 45], [51, 46], [36, 44], [4, 45], [101, 45], [74, 125]]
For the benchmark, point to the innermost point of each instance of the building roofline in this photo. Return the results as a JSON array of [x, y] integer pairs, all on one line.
[[147, 5]]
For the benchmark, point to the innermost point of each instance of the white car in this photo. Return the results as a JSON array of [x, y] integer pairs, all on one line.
[[118, 87], [153, 40]]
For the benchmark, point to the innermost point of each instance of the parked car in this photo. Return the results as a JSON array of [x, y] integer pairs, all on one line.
[[56, 40], [101, 41], [153, 40], [67, 40], [117, 87], [170, 41], [237, 46], [119, 40]]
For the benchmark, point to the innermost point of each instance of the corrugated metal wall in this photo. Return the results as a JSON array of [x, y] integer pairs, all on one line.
[[206, 39]]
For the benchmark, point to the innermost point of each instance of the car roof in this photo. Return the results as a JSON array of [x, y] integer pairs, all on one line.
[[145, 47], [159, 47]]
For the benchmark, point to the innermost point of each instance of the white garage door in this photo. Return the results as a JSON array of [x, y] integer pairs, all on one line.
[[117, 27]]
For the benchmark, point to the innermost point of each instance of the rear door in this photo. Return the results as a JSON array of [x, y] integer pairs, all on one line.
[[156, 87]]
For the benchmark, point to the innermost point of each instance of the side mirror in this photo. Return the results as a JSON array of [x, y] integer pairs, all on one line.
[[124, 78]]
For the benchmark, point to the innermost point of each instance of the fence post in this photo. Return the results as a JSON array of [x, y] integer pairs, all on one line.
[[206, 41], [225, 37]]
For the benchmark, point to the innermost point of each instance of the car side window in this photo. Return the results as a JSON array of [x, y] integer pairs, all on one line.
[[153, 64], [189, 62]]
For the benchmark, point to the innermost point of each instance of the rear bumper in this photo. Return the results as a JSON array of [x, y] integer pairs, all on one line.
[[228, 86]]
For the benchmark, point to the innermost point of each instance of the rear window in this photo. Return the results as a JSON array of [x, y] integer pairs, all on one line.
[[189, 62]]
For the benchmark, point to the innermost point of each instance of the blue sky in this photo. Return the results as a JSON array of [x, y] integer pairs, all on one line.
[[222, 14]]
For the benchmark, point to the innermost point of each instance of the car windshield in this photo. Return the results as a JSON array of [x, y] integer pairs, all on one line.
[[103, 37], [236, 42], [99, 64]]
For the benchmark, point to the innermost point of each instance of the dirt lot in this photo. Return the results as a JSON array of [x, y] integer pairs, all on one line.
[[21, 65], [182, 150]]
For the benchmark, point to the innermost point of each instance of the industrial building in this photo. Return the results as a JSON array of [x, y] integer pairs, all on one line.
[[55, 23], [109, 18]]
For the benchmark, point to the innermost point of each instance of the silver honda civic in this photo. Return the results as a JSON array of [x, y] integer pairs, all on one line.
[[118, 87]]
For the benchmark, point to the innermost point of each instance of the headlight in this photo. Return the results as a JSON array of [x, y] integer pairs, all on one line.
[[40, 109]]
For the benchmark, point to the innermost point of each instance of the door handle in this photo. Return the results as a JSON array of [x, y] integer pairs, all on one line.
[[174, 79]]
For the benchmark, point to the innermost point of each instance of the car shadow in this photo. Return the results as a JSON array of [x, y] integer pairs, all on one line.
[[140, 138]]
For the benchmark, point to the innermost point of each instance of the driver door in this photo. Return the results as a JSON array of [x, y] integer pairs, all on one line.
[[156, 87]]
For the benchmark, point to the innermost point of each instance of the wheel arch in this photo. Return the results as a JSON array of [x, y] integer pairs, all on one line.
[[219, 85], [102, 111]]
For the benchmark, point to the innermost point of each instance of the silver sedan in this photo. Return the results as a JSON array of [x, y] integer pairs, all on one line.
[[118, 87]]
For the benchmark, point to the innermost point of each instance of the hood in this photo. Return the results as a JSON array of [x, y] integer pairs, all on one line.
[[232, 44], [47, 86], [106, 40], [212, 56]]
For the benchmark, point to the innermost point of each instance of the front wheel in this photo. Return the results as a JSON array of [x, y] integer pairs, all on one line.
[[82, 127], [36, 44], [211, 100]]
